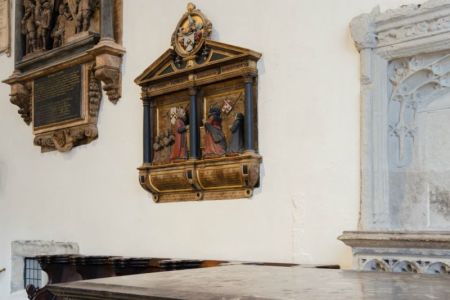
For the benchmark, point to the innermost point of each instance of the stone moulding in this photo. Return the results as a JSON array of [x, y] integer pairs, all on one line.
[[392, 239], [406, 252]]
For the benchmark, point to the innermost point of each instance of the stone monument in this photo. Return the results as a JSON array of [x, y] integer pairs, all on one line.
[[65, 52], [405, 147], [200, 117]]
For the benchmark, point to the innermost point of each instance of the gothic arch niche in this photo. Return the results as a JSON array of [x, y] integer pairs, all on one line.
[[405, 134], [419, 141]]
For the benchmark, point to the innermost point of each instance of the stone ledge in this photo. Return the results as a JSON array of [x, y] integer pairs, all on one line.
[[396, 239], [22, 249]]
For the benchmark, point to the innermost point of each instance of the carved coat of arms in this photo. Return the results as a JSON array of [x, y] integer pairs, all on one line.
[[191, 32]]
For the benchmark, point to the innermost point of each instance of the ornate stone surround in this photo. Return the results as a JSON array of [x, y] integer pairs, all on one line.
[[405, 104]]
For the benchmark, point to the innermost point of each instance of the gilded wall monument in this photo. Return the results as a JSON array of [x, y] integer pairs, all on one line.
[[200, 117], [5, 26], [66, 51]]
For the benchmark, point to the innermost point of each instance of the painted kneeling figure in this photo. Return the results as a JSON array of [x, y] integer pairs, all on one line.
[[214, 142], [179, 149], [236, 144]]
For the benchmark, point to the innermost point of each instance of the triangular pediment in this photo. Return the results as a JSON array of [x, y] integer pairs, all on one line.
[[159, 67], [167, 65]]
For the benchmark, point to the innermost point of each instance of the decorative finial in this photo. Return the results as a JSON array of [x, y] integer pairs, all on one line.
[[190, 7]]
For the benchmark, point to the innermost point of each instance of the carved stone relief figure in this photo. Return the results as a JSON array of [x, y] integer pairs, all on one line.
[[46, 24], [85, 10], [29, 27], [236, 144], [60, 27], [43, 20], [214, 143], [167, 141], [179, 150], [157, 149]]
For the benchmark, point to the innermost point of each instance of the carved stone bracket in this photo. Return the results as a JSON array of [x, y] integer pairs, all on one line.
[[108, 61], [65, 139], [21, 96]]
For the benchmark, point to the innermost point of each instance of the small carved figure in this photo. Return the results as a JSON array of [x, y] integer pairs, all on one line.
[[157, 149], [85, 10], [167, 141], [179, 150], [43, 19], [29, 27], [60, 27], [236, 144], [214, 142]]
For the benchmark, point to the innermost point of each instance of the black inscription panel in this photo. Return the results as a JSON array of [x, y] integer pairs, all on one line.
[[57, 97]]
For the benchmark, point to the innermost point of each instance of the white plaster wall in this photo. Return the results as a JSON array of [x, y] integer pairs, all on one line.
[[309, 138]]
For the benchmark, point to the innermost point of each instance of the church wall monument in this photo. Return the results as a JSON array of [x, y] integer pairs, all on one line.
[[200, 120], [65, 52]]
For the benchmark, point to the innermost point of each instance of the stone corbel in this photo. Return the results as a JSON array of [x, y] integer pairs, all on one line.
[[21, 96], [108, 61]]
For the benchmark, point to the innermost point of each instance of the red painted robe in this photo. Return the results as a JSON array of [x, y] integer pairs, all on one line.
[[179, 149], [214, 138]]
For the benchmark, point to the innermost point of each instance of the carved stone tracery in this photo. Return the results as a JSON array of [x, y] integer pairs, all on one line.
[[416, 82]]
